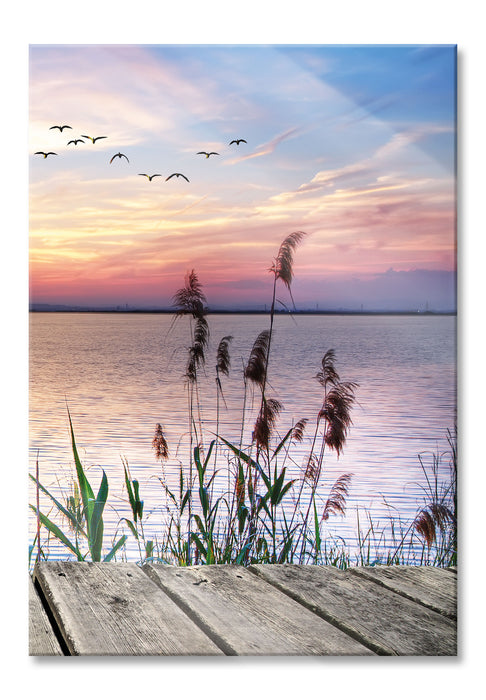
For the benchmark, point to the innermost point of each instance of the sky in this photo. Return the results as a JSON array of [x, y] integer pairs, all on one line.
[[352, 144]]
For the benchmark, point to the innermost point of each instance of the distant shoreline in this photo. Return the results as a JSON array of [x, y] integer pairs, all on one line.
[[247, 312]]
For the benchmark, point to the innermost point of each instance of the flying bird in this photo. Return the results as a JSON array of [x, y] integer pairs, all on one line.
[[176, 175], [60, 127], [93, 139], [149, 176], [237, 141], [119, 155], [42, 153], [75, 141], [204, 153]]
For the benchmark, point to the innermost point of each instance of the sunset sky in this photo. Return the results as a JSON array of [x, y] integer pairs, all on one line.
[[354, 145]]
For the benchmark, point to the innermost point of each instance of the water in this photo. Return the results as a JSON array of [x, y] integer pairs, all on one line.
[[121, 374]]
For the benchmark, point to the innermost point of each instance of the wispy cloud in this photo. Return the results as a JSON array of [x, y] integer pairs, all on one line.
[[269, 147], [367, 190]]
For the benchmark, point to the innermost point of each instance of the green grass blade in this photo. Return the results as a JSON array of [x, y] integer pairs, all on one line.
[[84, 486], [200, 525], [284, 490], [96, 520], [276, 488], [115, 548], [168, 492], [138, 502], [285, 551], [204, 500], [197, 460], [246, 458], [243, 514], [131, 497], [185, 499], [199, 545], [132, 527], [241, 558], [59, 506], [282, 443], [206, 461], [58, 534]]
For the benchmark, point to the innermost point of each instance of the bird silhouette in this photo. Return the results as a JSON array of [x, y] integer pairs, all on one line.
[[204, 153], [176, 175], [75, 141], [93, 139], [42, 153], [149, 176], [60, 127], [119, 155], [237, 141]]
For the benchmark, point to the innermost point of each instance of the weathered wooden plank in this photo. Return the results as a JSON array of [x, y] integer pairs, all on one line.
[[245, 615], [433, 587], [383, 620], [115, 609], [42, 640]]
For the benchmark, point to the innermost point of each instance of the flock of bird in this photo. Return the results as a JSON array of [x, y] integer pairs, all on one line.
[[93, 139]]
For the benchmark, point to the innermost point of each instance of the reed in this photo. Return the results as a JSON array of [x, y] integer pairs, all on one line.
[[255, 501], [265, 514]]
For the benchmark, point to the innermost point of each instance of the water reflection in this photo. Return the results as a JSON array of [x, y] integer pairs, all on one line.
[[121, 374]]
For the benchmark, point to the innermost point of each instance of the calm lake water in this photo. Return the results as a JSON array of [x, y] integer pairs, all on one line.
[[121, 374]]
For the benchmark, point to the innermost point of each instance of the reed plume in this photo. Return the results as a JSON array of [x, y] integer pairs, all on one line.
[[433, 518], [282, 267], [265, 422], [222, 356], [298, 430], [197, 356], [337, 413], [159, 444], [190, 298], [311, 470], [328, 374], [256, 368], [336, 502]]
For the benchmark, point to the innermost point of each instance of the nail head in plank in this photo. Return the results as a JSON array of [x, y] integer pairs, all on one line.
[[246, 615], [115, 609], [383, 620]]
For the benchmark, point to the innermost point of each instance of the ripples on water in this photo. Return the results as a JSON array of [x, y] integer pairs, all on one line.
[[121, 374]]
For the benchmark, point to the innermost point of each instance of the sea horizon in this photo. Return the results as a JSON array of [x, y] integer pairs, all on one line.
[[68, 308]]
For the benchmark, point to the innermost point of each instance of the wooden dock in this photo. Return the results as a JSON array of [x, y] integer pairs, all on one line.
[[79, 609]]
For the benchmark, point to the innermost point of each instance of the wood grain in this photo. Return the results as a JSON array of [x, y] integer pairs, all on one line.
[[382, 619], [42, 640], [428, 585], [246, 615], [115, 609]]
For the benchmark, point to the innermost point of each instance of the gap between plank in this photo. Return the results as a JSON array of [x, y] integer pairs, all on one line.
[[50, 615], [226, 648], [342, 626]]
